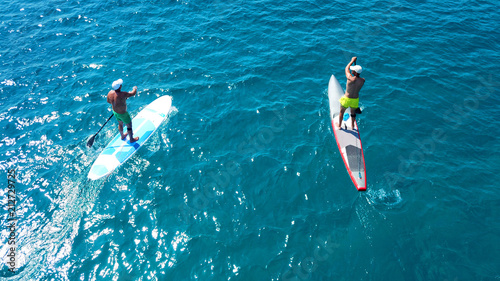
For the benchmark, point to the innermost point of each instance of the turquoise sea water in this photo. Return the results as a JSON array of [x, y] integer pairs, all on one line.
[[245, 181]]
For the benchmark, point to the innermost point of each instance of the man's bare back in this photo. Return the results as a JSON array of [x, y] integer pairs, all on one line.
[[354, 86], [354, 82], [118, 100]]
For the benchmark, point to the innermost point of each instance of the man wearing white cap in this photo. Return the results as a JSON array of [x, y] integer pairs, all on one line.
[[351, 96], [118, 100]]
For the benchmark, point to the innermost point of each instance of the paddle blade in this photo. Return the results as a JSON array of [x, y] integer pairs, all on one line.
[[91, 141]]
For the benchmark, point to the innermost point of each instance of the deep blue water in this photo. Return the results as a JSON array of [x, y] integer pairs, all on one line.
[[245, 181]]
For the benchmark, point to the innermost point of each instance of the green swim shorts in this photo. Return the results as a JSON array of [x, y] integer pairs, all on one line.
[[125, 117], [347, 102]]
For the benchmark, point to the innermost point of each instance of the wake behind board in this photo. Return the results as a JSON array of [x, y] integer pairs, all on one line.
[[347, 138], [144, 125]]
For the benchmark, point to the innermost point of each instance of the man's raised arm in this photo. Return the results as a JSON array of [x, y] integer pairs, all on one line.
[[347, 68], [134, 91]]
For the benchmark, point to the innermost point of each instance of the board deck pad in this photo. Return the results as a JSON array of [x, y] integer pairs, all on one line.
[[144, 125], [353, 158], [348, 139]]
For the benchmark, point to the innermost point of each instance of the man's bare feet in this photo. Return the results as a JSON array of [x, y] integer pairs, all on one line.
[[124, 136], [337, 125], [134, 139]]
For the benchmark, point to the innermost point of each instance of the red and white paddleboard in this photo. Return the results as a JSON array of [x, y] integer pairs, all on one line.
[[348, 139]]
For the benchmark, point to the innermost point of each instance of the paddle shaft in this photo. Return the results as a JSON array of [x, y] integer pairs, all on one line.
[[105, 123], [91, 140], [359, 157], [359, 161]]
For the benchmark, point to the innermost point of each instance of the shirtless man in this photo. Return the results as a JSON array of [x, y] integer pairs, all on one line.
[[118, 100], [351, 96]]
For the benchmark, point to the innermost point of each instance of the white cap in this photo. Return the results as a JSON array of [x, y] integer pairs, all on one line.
[[356, 68], [117, 84]]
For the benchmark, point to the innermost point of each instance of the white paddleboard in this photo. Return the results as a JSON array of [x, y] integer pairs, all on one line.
[[144, 125], [348, 139]]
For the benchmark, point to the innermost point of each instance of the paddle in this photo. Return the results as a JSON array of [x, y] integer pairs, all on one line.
[[91, 140], [358, 111]]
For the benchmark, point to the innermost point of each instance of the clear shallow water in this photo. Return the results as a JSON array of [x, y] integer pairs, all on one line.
[[245, 181]]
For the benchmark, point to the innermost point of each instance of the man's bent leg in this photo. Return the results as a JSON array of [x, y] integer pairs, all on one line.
[[353, 116], [341, 116], [120, 129], [131, 133]]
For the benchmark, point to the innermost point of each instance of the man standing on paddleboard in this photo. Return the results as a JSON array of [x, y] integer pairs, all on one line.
[[118, 100], [351, 96]]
